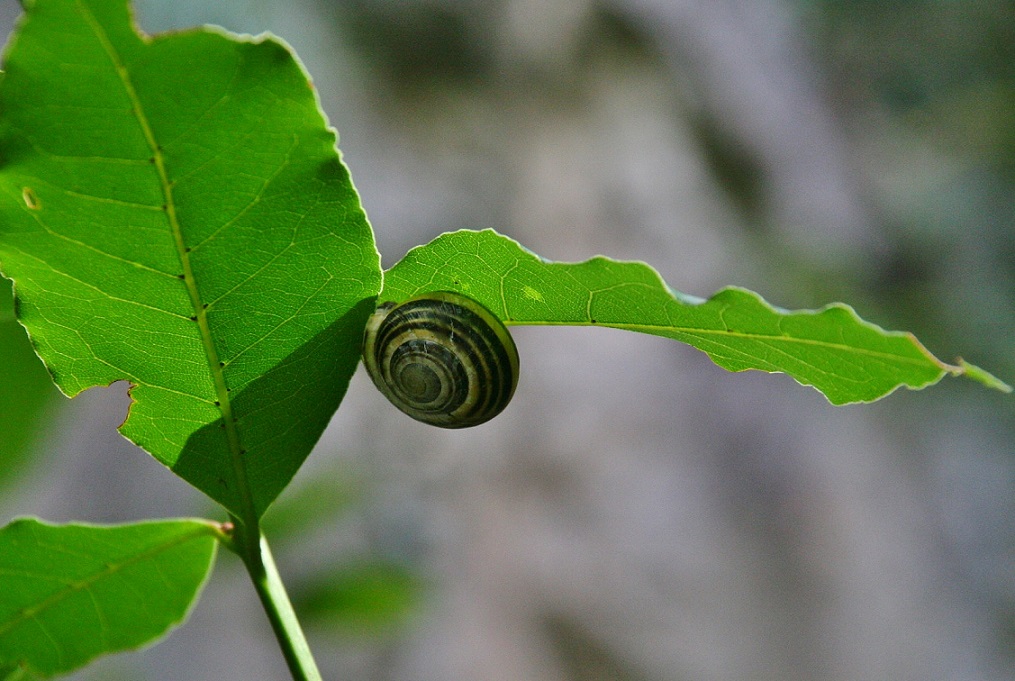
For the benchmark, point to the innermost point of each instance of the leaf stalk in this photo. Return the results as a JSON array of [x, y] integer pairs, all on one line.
[[256, 555]]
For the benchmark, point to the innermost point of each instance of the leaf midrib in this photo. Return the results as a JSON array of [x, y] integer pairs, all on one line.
[[666, 331], [200, 316]]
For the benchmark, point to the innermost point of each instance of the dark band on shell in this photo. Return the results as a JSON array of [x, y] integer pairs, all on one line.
[[442, 358]]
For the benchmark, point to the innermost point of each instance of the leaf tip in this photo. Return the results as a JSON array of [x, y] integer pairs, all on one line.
[[979, 375]]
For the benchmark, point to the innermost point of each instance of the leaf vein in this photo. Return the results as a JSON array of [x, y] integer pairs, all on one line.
[[211, 352]]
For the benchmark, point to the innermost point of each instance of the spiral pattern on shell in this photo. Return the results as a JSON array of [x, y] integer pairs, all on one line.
[[442, 358]]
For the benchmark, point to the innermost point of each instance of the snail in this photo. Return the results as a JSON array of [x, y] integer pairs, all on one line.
[[442, 358]]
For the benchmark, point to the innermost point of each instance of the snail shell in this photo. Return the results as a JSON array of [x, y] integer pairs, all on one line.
[[442, 358]]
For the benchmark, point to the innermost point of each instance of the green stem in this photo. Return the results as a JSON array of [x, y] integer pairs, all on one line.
[[275, 601]]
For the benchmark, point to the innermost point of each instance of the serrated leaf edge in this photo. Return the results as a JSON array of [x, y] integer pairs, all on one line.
[[960, 368]]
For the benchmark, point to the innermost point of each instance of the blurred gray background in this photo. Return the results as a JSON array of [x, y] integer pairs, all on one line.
[[638, 513]]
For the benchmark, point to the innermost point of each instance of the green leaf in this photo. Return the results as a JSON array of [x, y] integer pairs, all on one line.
[[832, 349], [174, 213], [27, 394], [16, 673], [74, 592]]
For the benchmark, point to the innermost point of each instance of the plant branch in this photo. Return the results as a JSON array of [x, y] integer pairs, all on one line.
[[257, 557]]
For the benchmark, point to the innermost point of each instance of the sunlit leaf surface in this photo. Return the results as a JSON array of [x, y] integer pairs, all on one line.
[[174, 214], [832, 349], [74, 592]]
